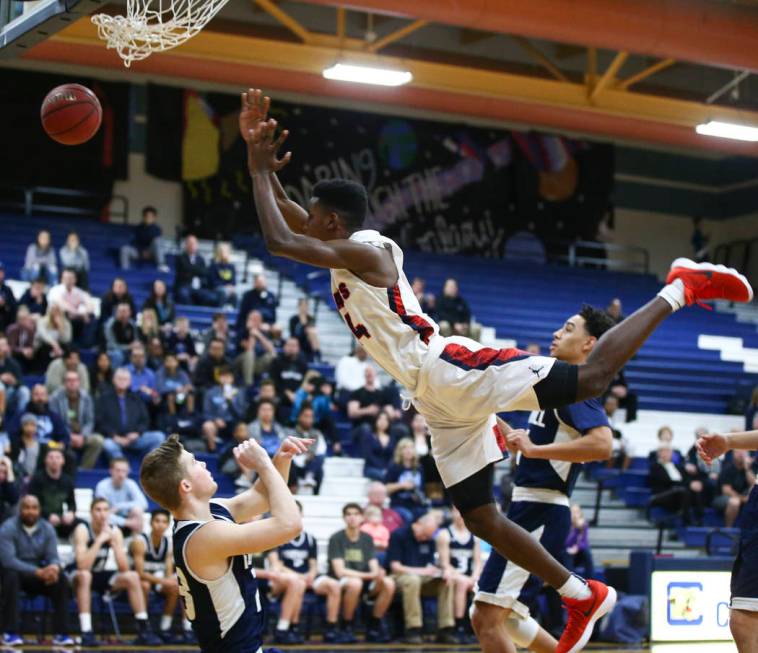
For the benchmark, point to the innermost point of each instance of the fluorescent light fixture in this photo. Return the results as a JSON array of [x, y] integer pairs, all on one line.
[[368, 75], [728, 130]]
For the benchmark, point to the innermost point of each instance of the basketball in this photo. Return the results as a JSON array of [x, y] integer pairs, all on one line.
[[71, 114]]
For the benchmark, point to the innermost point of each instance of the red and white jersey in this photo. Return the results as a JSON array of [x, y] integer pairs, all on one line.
[[388, 322]]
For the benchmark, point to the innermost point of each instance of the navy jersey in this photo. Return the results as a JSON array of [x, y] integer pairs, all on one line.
[[155, 559], [226, 613], [296, 553], [103, 555], [461, 552], [559, 425]]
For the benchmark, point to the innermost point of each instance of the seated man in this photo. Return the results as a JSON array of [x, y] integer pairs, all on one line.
[[78, 307], [223, 405], [124, 496], [192, 284], [154, 562], [410, 557], [352, 561], [55, 490], [146, 242], [102, 566], [120, 334], [454, 313], [144, 382], [300, 557], [736, 480], [181, 343], [16, 393], [29, 554], [69, 362]]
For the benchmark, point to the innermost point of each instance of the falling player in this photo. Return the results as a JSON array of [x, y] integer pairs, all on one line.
[[457, 384], [214, 538], [743, 616], [552, 451]]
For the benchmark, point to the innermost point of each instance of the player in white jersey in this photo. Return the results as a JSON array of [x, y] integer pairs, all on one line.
[[457, 384]]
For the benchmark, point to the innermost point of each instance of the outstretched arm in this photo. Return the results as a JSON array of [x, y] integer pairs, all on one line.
[[714, 445], [593, 445]]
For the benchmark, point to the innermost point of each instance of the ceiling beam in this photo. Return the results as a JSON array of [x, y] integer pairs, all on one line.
[[719, 34], [396, 35], [341, 25], [285, 19], [644, 74], [608, 75], [591, 76], [538, 56]]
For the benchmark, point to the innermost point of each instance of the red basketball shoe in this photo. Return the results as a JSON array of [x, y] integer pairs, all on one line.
[[582, 615], [706, 281]]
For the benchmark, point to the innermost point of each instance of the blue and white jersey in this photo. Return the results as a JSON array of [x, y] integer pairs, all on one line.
[[552, 481], [296, 553], [226, 613], [155, 558], [461, 551]]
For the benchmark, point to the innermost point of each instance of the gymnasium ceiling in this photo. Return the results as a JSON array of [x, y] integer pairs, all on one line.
[[645, 71]]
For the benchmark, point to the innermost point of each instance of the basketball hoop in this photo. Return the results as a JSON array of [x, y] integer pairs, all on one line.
[[154, 25]]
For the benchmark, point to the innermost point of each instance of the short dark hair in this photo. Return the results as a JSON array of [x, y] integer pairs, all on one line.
[[351, 506], [149, 209], [346, 198], [596, 321], [161, 473], [160, 511], [116, 460], [97, 500]]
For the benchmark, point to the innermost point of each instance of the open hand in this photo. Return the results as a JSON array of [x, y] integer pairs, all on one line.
[[254, 110], [251, 455], [712, 446], [518, 440], [262, 149], [292, 447]]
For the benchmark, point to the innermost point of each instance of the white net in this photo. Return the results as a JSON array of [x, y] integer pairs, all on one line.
[[154, 25]]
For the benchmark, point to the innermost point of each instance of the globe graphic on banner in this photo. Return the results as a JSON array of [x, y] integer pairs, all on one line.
[[397, 144]]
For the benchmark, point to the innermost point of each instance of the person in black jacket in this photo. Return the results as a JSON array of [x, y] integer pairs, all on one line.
[[208, 369], [453, 311], [287, 372], [192, 284], [146, 243], [258, 298], [9, 488], [8, 303], [121, 417], [674, 489]]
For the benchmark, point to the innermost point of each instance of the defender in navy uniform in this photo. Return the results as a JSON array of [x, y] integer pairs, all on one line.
[[743, 616], [214, 539], [551, 452]]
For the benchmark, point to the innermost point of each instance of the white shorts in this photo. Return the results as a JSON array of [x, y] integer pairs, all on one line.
[[461, 386]]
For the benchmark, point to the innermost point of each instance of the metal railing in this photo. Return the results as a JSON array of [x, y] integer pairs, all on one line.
[[580, 253], [740, 254], [31, 199]]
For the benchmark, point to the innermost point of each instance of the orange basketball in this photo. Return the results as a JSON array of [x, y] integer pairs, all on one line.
[[71, 114]]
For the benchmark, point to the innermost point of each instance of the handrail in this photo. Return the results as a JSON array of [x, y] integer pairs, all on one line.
[[723, 252], [574, 259], [31, 203]]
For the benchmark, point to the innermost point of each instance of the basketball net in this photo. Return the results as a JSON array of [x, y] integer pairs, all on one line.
[[154, 25]]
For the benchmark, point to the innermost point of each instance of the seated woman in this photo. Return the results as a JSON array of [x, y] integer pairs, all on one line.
[[405, 482], [53, 332], [378, 449], [75, 257], [578, 553], [673, 489], [222, 276], [162, 303], [40, 261]]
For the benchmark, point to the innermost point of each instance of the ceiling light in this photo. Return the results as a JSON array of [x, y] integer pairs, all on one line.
[[368, 75], [728, 130]]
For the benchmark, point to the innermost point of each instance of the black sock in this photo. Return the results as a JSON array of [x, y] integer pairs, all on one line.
[[143, 625], [373, 622], [331, 625], [460, 623], [347, 624]]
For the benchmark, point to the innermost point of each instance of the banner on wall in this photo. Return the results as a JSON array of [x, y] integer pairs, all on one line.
[[432, 186]]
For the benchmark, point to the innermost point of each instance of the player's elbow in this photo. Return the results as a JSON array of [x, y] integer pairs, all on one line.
[[276, 245], [292, 526]]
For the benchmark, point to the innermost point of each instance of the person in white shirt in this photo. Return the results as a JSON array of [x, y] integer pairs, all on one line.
[[126, 500], [77, 306]]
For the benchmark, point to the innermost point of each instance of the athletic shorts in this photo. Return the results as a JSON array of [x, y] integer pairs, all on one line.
[[745, 570], [504, 583], [462, 385], [103, 580], [368, 589]]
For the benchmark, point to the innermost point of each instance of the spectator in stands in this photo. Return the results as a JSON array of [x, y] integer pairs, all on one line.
[[53, 332], [350, 373], [352, 561], [26, 449], [69, 362], [258, 298], [308, 468], [224, 404], [411, 560], [118, 294], [422, 440], [219, 330], [9, 488], [418, 287], [162, 303], [227, 463], [40, 261], [120, 334], [265, 429], [222, 276], [405, 482], [210, 365], [16, 393], [288, 371], [366, 403], [254, 348], [378, 449], [149, 327], [615, 310], [698, 469], [121, 416], [289, 588], [460, 557], [155, 353], [181, 343], [35, 298], [126, 500], [377, 496], [55, 491], [665, 437], [174, 385], [8, 304], [316, 391], [578, 552], [628, 400], [75, 257], [453, 311], [673, 489], [736, 481], [101, 375], [146, 242], [93, 545], [751, 412], [700, 240], [191, 284], [30, 562], [21, 339], [77, 306], [266, 392], [73, 404], [143, 378], [303, 327], [300, 557], [621, 447], [374, 526]]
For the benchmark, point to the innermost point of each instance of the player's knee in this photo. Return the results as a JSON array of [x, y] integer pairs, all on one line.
[[388, 584], [742, 628], [485, 618], [354, 585], [131, 578], [83, 577]]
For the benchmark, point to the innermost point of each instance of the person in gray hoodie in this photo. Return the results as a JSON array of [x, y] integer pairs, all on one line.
[[29, 555]]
